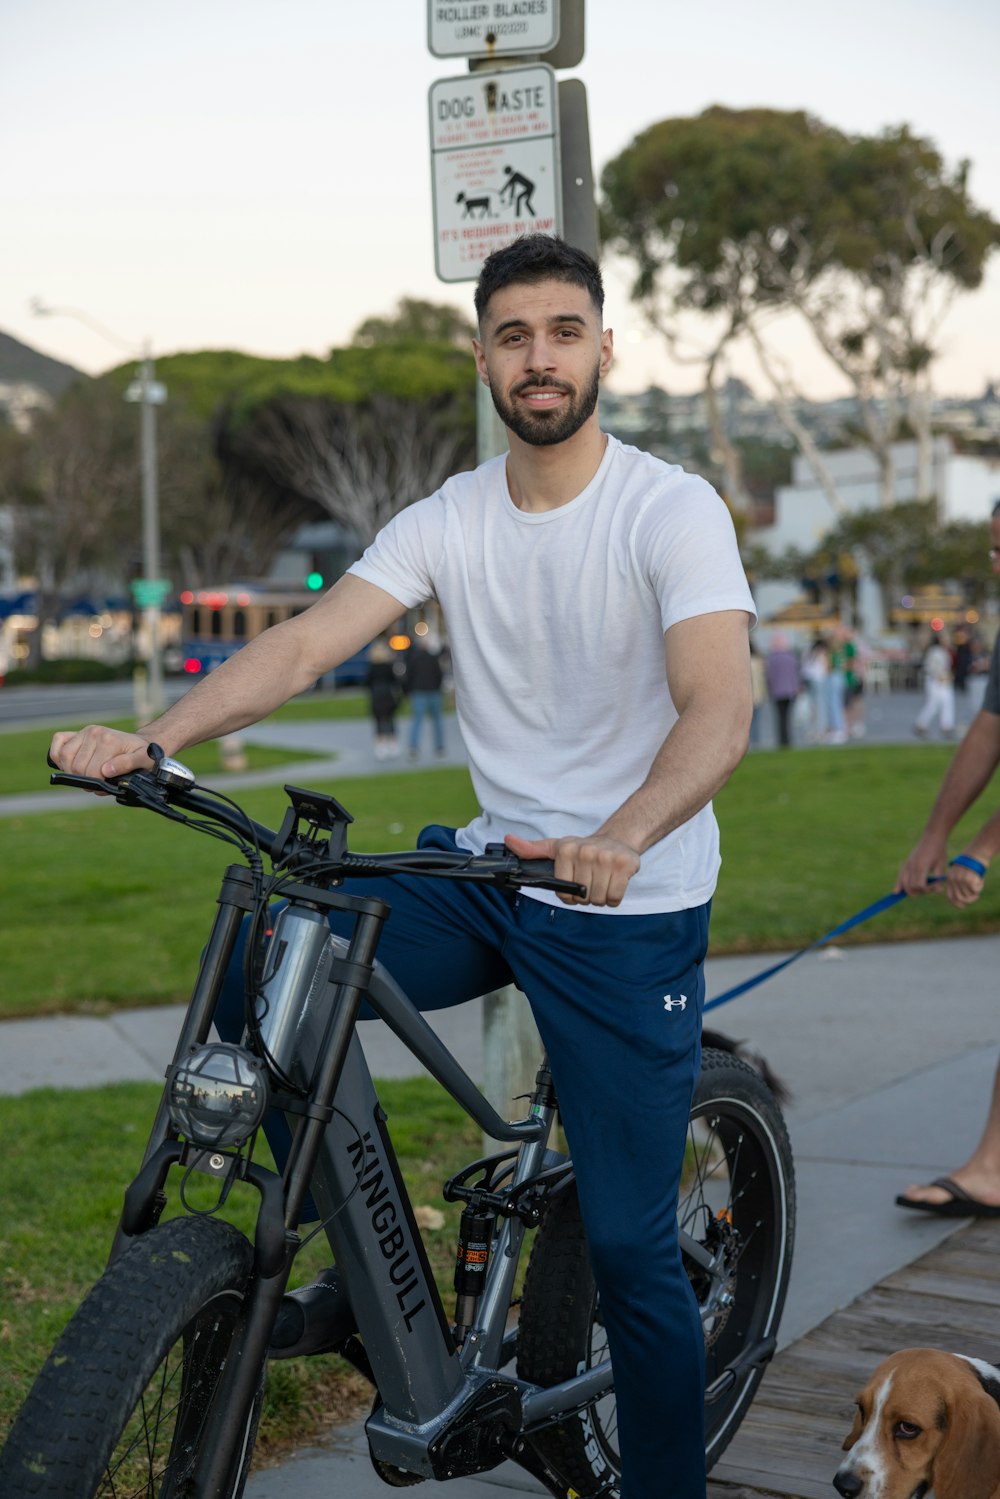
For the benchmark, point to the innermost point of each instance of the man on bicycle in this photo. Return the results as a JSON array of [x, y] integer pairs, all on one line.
[[598, 614]]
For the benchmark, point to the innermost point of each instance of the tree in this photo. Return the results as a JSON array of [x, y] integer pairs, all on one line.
[[72, 485], [248, 449], [70, 495], [355, 435], [694, 203], [741, 216], [218, 522], [374, 430], [360, 461], [416, 322], [904, 548], [906, 241]]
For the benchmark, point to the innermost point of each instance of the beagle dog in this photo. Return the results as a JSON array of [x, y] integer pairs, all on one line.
[[927, 1426]]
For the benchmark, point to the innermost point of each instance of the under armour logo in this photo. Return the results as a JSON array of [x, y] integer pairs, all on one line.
[[670, 1003]]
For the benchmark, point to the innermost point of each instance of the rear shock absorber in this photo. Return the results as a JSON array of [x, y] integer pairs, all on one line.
[[475, 1233]]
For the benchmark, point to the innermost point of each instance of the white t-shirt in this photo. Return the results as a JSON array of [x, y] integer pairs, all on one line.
[[556, 622]]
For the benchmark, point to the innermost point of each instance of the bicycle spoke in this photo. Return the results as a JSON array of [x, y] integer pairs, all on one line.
[[153, 1433]]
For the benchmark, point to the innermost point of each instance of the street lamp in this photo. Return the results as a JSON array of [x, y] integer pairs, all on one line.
[[150, 590]]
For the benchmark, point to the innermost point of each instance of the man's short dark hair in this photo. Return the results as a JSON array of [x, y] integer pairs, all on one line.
[[538, 257]]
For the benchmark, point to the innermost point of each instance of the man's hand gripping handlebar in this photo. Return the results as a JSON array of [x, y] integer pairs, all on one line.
[[166, 786]]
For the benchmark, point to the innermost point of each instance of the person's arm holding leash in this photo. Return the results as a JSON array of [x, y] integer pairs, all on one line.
[[964, 885], [976, 759], [269, 670], [708, 673]]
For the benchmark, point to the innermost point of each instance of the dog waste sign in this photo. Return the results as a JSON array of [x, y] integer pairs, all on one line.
[[494, 164], [489, 28]]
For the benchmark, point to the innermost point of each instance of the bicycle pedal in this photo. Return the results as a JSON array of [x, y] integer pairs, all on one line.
[[313, 1319]]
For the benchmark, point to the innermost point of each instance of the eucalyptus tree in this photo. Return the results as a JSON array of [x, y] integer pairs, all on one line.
[[743, 217]]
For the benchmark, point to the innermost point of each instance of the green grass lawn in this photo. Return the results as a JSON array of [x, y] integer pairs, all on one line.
[[61, 1204], [108, 907], [810, 838]]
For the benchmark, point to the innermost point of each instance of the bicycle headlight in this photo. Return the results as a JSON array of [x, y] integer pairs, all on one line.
[[218, 1095]]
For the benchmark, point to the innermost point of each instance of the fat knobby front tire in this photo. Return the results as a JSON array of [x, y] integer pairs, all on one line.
[[118, 1408], [737, 1206]]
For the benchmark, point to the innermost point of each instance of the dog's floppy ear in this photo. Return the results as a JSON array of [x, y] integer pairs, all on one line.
[[989, 1377], [967, 1464], [855, 1431]]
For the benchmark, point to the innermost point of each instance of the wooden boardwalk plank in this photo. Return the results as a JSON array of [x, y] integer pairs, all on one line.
[[789, 1445]]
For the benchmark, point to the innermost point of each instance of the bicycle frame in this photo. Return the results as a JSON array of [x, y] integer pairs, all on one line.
[[439, 1403]]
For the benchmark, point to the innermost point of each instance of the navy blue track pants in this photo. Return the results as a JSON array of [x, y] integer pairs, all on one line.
[[624, 1066]]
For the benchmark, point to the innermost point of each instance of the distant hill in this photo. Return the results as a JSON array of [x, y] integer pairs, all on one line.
[[19, 362]]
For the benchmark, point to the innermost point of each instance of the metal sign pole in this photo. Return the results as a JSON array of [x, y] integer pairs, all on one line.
[[155, 700], [472, 216]]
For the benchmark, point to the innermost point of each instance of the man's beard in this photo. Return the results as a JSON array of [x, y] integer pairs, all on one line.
[[543, 429]]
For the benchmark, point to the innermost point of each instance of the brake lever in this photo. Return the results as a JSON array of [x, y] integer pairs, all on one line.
[[524, 880], [528, 873], [85, 783]]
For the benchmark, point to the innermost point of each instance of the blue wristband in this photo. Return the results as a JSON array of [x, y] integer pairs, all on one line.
[[968, 862]]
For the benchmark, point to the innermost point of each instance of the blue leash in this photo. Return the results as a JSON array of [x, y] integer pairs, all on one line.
[[967, 862]]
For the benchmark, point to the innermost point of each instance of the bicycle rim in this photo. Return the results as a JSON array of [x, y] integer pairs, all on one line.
[[737, 1203]]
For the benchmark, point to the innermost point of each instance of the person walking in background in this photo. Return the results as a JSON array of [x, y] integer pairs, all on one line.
[[939, 690], [783, 685], [836, 692], [423, 687], [961, 659], [851, 659], [383, 696], [973, 1190], [815, 670], [758, 686]]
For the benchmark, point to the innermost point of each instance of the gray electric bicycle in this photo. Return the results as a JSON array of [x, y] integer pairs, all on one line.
[[155, 1386]]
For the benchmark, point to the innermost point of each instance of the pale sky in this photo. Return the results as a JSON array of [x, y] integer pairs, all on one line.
[[255, 174]]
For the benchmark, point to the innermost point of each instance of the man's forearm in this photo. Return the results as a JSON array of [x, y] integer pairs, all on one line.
[[694, 762], [968, 774], [243, 690], [277, 665], [986, 843]]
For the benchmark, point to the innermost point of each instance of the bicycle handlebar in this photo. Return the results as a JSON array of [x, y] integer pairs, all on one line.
[[161, 789]]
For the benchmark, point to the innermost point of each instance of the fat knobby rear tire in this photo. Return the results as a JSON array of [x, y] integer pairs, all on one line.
[[738, 1203]]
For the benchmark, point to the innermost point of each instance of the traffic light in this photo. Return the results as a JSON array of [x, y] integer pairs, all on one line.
[[314, 581]]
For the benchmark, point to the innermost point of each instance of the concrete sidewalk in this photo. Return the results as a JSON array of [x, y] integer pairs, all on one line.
[[889, 1051]]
